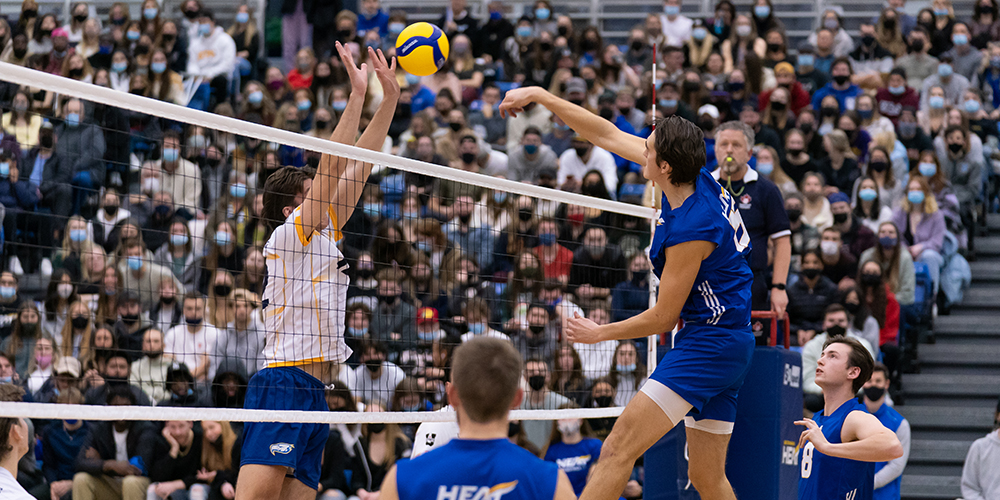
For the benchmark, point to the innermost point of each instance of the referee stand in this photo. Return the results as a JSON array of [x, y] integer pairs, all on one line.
[[762, 463]]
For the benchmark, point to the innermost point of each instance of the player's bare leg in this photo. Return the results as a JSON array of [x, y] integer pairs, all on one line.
[[260, 482], [640, 426], [293, 489], [707, 464]]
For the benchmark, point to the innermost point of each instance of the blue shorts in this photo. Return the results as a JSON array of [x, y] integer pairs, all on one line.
[[299, 446], [706, 368]]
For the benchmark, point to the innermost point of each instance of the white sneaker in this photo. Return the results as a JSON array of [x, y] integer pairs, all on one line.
[[15, 266], [46, 267]]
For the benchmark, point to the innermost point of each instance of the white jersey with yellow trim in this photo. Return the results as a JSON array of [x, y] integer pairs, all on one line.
[[305, 295]]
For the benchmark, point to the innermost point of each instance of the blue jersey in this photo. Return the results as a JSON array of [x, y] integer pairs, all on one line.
[[831, 478], [575, 460], [493, 469], [721, 292], [891, 419]]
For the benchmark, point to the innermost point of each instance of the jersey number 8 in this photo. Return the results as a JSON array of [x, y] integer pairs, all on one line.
[[807, 460]]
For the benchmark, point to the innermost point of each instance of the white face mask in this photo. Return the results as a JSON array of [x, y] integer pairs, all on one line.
[[569, 426], [151, 185], [64, 290]]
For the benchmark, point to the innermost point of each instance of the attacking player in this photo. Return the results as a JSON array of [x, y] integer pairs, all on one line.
[[481, 463], [304, 299], [843, 441], [699, 249]]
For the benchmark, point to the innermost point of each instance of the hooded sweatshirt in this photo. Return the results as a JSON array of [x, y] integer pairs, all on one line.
[[213, 55], [980, 480]]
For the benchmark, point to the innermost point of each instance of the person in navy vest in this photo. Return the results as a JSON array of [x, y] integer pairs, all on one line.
[[842, 442], [888, 475], [481, 462]]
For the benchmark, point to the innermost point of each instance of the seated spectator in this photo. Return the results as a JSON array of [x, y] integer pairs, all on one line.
[[870, 59], [531, 155], [856, 237], [182, 389], [65, 377], [75, 240], [953, 84], [165, 84], [40, 365], [10, 302], [168, 312], [301, 76], [61, 442], [878, 298], [961, 157], [835, 323], [841, 88], [193, 343], [21, 122], [477, 314], [772, 167], [179, 177], [212, 56], [627, 372], [597, 267], [816, 207], [394, 320], [567, 374], [602, 395], [461, 232], [95, 362], [838, 263], [809, 297], [150, 372], [140, 275], [895, 261], [377, 378], [115, 377], [896, 96], [978, 478], [19, 197], [631, 297], [556, 260], [130, 324], [583, 157], [537, 338], [890, 188], [178, 256], [924, 226], [102, 473], [243, 339], [220, 303], [804, 236], [868, 208], [539, 397], [574, 448], [840, 167], [20, 345], [369, 471]]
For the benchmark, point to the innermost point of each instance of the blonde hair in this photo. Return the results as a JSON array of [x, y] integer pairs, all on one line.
[[838, 142], [930, 203], [67, 332], [214, 459]]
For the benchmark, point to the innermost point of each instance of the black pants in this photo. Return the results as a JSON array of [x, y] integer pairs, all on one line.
[[761, 301]]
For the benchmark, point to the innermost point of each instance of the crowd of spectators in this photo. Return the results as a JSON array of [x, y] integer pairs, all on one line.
[[148, 234]]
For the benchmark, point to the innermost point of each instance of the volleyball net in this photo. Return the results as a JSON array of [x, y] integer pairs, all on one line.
[[139, 253]]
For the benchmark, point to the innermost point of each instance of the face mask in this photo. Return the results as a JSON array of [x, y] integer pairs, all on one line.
[[134, 263], [595, 251], [477, 328], [887, 242], [178, 240], [78, 235], [927, 169], [373, 210], [80, 18], [956, 147], [119, 67], [73, 120], [829, 248], [807, 127], [762, 11], [20, 53], [743, 30], [238, 190], [132, 36], [831, 24], [426, 337], [536, 329], [80, 322], [396, 28], [222, 290], [376, 428], [907, 129], [841, 79], [304, 105], [867, 194], [774, 47], [242, 17], [897, 90], [64, 290], [530, 149], [839, 218], [524, 32], [867, 39], [468, 158], [424, 246], [388, 299], [699, 33], [193, 321], [158, 67], [874, 393], [7, 380], [581, 152], [542, 14], [829, 111], [629, 368], [944, 70], [936, 102], [357, 332], [150, 13], [878, 166], [168, 38], [971, 106], [499, 196], [255, 97], [569, 428], [811, 273], [915, 197], [29, 328], [794, 214], [204, 29], [170, 155], [604, 401], [765, 169], [43, 360], [959, 39], [547, 239], [671, 10], [871, 279], [7, 292], [806, 60], [536, 382], [4, 169], [866, 114], [835, 331], [71, 422], [339, 106], [373, 365]]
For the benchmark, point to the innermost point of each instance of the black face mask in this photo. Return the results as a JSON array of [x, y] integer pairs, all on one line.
[[222, 290], [545, 46], [111, 210], [637, 45], [841, 79], [366, 273], [956, 147], [376, 428], [852, 307], [874, 393], [191, 14], [20, 53], [80, 322], [778, 106], [322, 124], [455, 126], [774, 47], [794, 214], [464, 219], [388, 299], [524, 214], [28, 14], [588, 45], [889, 24], [513, 429], [639, 276], [193, 321], [536, 382], [839, 218], [536, 329], [344, 35], [917, 46], [795, 151], [130, 319], [76, 72], [607, 113], [604, 401], [829, 111], [581, 152], [871, 279], [80, 18], [168, 39], [468, 158], [867, 39], [811, 273], [373, 365], [168, 300], [835, 331], [806, 128], [879, 166], [141, 50], [115, 380], [45, 140], [692, 86], [578, 102], [563, 30], [706, 123]]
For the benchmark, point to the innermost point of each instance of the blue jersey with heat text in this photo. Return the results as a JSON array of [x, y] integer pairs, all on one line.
[[830, 478], [721, 292], [465, 469]]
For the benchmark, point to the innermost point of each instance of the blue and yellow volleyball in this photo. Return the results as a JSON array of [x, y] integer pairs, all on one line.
[[422, 49]]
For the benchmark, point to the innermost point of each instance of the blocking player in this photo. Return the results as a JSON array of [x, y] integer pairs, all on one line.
[[842, 442], [481, 462], [700, 249], [304, 299]]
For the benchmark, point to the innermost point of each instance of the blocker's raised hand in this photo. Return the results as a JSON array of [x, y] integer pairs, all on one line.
[[358, 76], [385, 72], [516, 100]]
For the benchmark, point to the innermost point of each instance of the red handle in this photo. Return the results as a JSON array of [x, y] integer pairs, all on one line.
[[771, 315]]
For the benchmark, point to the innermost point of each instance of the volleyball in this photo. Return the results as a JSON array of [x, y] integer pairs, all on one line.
[[422, 48]]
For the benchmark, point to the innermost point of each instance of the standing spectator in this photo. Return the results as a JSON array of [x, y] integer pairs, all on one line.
[[979, 478], [114, 457], [193, 343]]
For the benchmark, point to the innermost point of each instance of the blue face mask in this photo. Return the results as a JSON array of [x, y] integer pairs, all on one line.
[[134, 263], [807, 60], [542, 14], [629, 368], [158, 67], [72, 421], [7, 380], [887, 242], [866, 114], [765, 168], [150, 13], [4, 169], [762, 11], [426, 336], [238, 190], [971, 106], [204, 29], [72, 119], [119, 67], [524, 32], [193, 321], [7, 292], [671, 10], [530, 149], [256, 97], [897, 90], [959, 39], [867, 194], [915, 197], [945, 70], [339, 106], [178, 240], [935, 102], [242, 17], [941, 12], [133, 36], [499, 196], [373, 210], [668, 103], [927, 169], [424, 246], [496, 16], [547, 239], [699, 33], [170, 155], [304, 105], [223, 238], [357, 332], [78, 235], [477, 328], [396, 28], [411, 80]]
